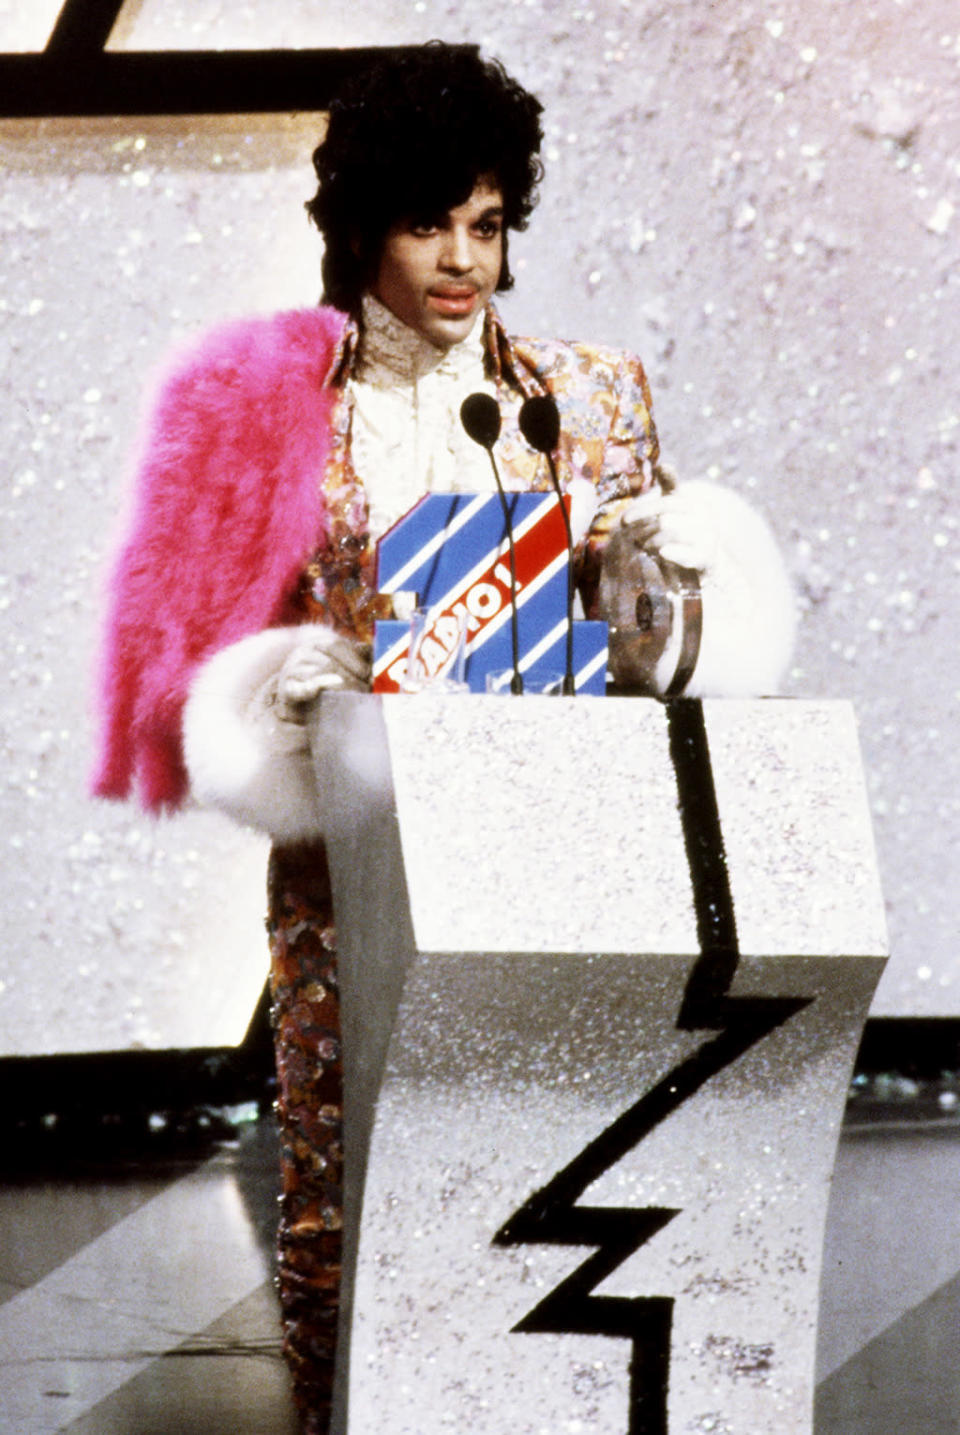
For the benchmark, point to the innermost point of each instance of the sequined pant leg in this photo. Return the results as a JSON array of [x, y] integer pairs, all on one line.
[[306, 1019]]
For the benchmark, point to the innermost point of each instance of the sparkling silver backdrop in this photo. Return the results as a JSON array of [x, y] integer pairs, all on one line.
[[762, 199]]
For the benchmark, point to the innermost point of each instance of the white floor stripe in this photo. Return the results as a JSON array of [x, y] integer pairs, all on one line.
[[154, 1279], [893, 1237]]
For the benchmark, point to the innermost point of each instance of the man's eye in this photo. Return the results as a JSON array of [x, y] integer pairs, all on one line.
[[488, 229], [423, 230]]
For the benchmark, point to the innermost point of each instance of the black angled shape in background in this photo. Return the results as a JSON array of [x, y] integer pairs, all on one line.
[[76, 75], [83, 26]]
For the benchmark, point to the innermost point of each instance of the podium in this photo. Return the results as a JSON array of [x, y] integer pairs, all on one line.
[[605, 965]]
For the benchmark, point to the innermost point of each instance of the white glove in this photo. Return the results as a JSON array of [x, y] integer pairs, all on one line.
[[321, 660], [675, 527]]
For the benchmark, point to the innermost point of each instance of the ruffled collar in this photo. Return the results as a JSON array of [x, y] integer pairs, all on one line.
[[392, 353]]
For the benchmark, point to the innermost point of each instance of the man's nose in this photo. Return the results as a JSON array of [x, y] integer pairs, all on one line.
[[457, 253]]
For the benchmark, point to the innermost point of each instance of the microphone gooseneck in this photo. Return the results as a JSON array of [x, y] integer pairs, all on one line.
[[480, 416], [539, 420]]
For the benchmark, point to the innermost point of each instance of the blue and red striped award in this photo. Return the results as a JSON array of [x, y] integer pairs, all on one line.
[[452, 552]]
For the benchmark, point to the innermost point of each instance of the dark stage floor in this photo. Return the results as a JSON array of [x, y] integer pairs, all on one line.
[[136, 1294]]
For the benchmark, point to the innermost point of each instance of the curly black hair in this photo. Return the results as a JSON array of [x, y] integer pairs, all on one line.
[[408, 140]]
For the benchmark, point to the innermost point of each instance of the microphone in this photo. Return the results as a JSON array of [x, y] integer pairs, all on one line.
[[540, 423], [480, 416], [539, 420]]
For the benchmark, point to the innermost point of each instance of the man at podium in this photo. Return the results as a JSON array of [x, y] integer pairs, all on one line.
[[280, 448]]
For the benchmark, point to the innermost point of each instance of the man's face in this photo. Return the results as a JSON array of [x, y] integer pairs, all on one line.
[[437, 276]]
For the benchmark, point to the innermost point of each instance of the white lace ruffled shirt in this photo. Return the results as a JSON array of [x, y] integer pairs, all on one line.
[[406, 437]]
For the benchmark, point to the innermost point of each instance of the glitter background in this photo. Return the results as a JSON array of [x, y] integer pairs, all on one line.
[[763, 201]]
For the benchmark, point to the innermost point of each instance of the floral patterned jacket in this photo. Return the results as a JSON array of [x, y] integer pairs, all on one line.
[[248, 515]]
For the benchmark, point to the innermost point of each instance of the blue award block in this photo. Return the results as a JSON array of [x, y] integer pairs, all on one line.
[[452, 552]]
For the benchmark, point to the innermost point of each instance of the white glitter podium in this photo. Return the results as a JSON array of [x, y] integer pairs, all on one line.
[[605, 965]]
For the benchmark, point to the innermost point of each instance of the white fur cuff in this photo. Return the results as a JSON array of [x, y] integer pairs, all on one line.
[[749, 615], [241, 757]]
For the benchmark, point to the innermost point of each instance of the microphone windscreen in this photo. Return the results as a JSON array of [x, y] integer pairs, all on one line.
[[480, 416], [539, 420]]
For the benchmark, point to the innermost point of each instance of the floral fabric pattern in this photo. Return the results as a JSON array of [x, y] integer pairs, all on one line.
[[607, 439]]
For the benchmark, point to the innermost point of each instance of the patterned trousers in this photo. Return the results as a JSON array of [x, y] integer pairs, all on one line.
[[306, 1024]]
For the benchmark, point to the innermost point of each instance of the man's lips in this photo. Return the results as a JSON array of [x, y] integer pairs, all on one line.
[[452, 301]]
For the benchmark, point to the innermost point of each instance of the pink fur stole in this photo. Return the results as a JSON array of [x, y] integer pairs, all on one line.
[[227, 508]]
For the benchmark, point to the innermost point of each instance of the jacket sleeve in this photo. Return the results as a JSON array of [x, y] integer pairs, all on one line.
[[226, 508], [746, 602], [623, 459]]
